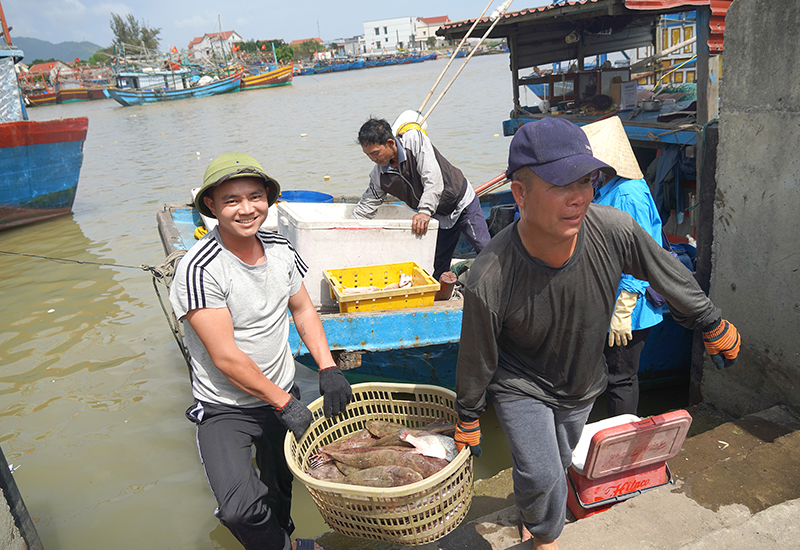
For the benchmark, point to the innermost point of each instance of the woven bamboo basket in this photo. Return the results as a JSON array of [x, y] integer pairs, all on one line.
[[417, 513]]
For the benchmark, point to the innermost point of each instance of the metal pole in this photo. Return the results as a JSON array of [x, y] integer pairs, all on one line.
[[22, 518], [6, 33], [500, 11], [453, 56]]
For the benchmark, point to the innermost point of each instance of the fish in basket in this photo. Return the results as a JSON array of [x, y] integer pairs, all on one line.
[[386, 454], [414, 513]]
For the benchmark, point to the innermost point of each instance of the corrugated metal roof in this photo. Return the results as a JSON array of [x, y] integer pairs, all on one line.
[[635, 15], [719, 8]]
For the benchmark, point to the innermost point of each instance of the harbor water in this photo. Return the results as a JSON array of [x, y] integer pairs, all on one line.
[[93, 387]]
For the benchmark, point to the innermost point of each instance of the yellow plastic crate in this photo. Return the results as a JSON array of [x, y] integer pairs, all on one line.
[[420, 294]]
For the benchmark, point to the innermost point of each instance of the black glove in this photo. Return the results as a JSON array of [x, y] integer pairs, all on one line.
[[295, 416], [336, 390]]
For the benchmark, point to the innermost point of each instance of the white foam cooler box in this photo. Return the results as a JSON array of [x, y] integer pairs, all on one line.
[[621, 457], [326, 237]]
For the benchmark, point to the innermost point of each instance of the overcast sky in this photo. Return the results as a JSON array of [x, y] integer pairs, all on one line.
[[181, 20]]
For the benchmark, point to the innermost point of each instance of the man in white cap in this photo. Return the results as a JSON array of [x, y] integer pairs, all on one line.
[[537, 306], [232, 290], [410, 168], [634, 314]]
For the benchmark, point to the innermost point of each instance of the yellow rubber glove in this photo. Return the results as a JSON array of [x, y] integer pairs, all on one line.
[[621, 332]]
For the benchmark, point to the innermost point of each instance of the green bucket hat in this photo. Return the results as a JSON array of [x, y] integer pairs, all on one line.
[[227, 167]]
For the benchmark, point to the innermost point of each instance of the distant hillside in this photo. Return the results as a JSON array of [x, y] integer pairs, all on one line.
[[63, 51]]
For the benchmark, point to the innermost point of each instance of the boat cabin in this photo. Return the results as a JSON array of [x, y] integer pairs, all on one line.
[[150, 79], [674, 139], [578, 40]]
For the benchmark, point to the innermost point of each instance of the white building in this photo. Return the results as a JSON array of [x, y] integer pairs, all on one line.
[[427, 26], [390, 35], [213, 45], [349, 47]]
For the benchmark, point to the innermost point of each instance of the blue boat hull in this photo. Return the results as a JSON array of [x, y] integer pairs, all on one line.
[[40, 165], [127, 98], [421, 345]]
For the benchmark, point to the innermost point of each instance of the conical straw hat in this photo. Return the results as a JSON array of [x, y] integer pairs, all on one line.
[[610, 144]]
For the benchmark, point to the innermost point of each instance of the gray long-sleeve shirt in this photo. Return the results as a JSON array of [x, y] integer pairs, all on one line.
[[422, 157], [530, 329]]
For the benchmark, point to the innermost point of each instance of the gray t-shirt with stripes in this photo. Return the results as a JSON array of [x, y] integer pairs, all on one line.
[[257, 296]]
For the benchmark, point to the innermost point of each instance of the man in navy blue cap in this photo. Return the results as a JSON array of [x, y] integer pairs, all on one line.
[[537, 306]]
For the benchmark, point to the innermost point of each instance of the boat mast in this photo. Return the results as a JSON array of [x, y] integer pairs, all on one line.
[[6, 34], [221, 43]]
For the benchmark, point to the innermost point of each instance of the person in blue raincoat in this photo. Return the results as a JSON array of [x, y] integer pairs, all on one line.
[[634, 315]]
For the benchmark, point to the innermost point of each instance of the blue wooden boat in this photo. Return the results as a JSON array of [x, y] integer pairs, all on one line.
[[421, 344], [341, 67], [360, 64], [139, 88], [40, 162]]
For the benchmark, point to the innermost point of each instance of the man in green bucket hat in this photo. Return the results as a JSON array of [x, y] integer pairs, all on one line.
[[231, 291]]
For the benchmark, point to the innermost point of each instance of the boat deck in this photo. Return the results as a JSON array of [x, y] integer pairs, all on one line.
[[421, 344]]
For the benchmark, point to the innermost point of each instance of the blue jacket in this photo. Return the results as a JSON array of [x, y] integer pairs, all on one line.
[[633, 197]]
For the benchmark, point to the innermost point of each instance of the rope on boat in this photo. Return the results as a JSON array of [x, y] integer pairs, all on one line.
[[163, 274]]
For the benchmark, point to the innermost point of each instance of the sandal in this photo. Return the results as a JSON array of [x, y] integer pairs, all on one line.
[[305, 544]]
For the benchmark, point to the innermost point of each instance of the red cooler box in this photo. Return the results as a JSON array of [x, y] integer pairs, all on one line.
[[621, 457]]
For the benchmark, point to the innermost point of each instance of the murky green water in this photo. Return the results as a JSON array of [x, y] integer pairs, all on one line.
[[92, 386]]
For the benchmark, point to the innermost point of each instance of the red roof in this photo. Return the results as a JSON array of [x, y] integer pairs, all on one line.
[[435, 20], [225, 35], [42, 67], [717, 24], [298, 42], [212, 35], [719, 8]]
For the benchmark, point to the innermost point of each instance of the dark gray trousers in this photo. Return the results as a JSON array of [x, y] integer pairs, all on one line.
[[541, 440], [255, 504], [472, 224]]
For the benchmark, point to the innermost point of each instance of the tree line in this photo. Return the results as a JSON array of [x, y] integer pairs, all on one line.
[[138, 38]]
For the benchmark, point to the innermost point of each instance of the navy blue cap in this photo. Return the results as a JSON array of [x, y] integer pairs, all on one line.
[[557, 151]]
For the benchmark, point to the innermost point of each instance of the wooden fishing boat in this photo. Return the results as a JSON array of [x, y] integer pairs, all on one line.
[[536, 38], [139, 88], [279, 77], [40, 162], [97, 92], [43, 98], [71, 95], [420, 344]]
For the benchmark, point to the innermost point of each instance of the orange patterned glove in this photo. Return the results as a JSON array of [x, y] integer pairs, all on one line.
[[468, 433], [722, 342]]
